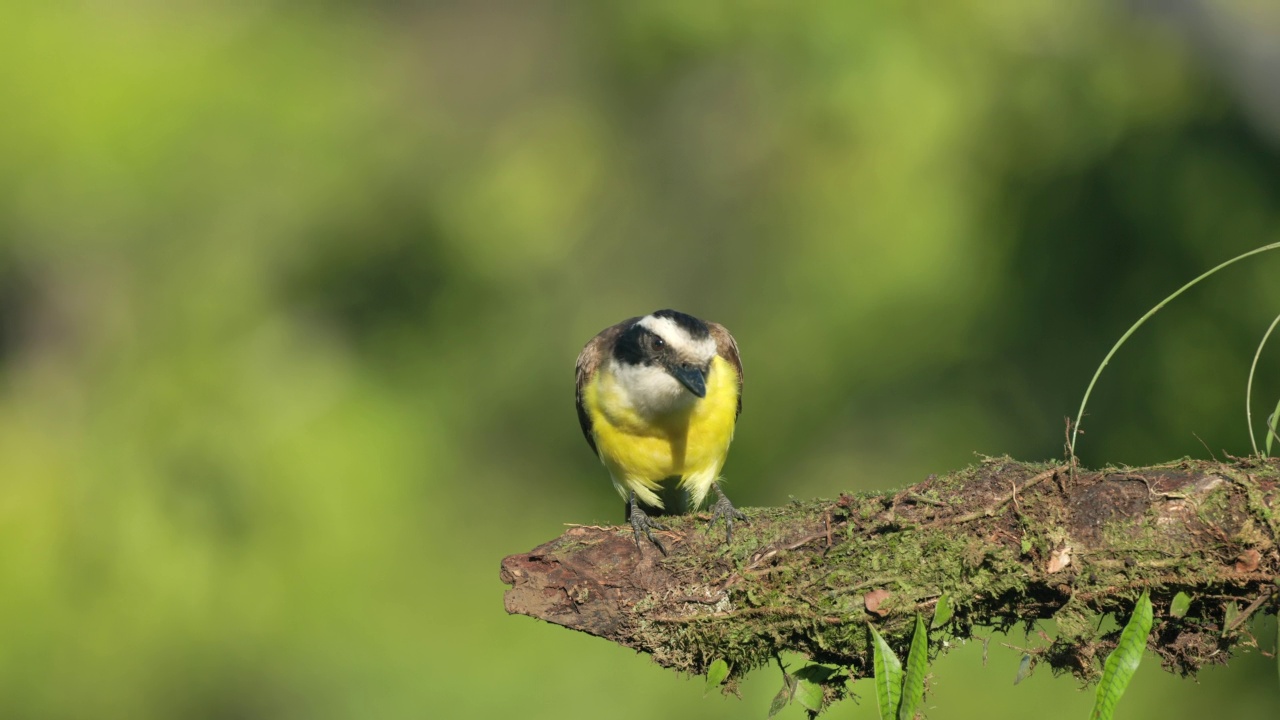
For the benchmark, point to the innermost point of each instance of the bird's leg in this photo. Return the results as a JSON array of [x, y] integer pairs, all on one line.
[[640, 523], [722, 508]]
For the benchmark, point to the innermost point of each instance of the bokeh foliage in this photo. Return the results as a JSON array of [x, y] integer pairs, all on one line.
[[289, 296]]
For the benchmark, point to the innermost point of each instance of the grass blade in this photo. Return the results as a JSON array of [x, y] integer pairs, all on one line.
[[1248, 394], [888, 677], [917, 666], [1075, 427], [1123, 661], [1272, 423]]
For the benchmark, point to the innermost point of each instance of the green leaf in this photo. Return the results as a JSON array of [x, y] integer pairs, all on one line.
[[1181, 603], [716, 674], [809, 691], [941, 611], [1229, 618], [917, 666], [888, 670], [809, 695], [1024, 669], [1123, 661]]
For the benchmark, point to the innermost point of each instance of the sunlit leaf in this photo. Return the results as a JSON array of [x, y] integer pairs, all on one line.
[[809, 691], [1123, 661], [1181, 603], [809, 695], [888, 677], [716, 674], [941, 611], [917, 666]]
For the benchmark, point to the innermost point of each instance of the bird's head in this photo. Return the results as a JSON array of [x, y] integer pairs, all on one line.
[[666, 353]]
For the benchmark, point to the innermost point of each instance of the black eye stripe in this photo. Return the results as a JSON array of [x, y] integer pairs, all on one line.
[[630, 347], [690, 324]]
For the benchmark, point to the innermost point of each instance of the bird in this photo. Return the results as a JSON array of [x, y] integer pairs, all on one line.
[[658, 397]]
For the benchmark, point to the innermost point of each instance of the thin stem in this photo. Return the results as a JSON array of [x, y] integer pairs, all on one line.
[[1075, 428], [1248, 390]]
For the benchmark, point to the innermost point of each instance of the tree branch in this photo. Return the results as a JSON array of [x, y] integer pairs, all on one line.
[[1010, 543]]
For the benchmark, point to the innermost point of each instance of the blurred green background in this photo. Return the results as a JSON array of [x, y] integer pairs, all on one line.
[[290, 296]]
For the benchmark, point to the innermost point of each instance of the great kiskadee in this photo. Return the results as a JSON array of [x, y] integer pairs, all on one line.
[[658, 397]]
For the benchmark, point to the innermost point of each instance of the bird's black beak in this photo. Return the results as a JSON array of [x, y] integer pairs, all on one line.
[[692, 377]]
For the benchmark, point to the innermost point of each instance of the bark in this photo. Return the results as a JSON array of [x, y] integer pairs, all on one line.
[[1009, 543]]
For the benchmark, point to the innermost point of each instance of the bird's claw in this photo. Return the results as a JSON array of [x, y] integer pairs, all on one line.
[[725, 509], [641, 524]]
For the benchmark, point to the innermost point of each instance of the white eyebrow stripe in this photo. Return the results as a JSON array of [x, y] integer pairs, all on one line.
[[678, 337]]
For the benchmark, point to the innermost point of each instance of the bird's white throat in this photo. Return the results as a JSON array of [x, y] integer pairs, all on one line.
[[650, 390]]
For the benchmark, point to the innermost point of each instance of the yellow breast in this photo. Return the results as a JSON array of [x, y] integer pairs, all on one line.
[[690, 443]]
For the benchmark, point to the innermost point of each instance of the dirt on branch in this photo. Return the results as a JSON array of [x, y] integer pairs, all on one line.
[[1009, 543]]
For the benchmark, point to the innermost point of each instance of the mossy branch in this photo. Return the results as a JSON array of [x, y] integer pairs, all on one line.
[[1011, 543]]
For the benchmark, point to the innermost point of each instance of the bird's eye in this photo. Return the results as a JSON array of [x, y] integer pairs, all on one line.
[[659, 342]]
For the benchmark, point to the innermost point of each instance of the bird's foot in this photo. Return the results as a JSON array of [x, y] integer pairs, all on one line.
[[722, 508], [641, 524]]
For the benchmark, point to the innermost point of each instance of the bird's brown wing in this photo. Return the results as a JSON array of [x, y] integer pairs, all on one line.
[[727, 348], [593, 353]]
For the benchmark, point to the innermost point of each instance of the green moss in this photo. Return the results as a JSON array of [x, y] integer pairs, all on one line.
[[809, 598]]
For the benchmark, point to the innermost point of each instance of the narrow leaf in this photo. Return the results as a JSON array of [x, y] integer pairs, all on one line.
[[780, 701], [941, 611], [1024, 669], [1180, 605], [1273, 422], [1229, 618], [716, 674], [784, 695], [1123, 661], [888, 671], [917, 666]]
